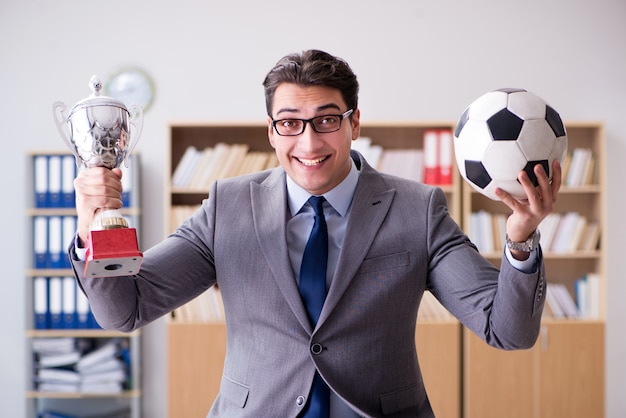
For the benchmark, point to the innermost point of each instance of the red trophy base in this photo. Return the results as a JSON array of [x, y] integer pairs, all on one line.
[[113, 252]]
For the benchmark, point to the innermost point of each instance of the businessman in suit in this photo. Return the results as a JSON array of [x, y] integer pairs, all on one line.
[[388, 240]]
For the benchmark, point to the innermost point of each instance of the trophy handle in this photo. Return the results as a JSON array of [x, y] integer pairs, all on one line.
[[136, 121], [60, 120]]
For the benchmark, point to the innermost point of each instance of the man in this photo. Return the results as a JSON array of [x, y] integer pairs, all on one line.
[[387, 240]]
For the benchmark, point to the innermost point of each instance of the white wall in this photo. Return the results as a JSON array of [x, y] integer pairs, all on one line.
[[417, 60]]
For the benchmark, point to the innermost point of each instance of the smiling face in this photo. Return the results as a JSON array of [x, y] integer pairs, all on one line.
[[317, 162]]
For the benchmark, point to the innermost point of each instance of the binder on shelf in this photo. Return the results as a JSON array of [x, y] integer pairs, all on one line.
[[110, 349], [58, 359], [55, 302], [53, 414], [445, 156], [127, 181], [83, 311], [69, 303], [54, 181], [69, 231], [68, 173], [40, 303], [53, 345], [40, 176], [40, 242], [54, 374], [56, 253]]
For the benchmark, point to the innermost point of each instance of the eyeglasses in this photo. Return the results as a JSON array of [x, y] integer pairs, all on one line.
[[320, 124]]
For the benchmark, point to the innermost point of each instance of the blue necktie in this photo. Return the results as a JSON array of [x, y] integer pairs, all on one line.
[[313, 291]]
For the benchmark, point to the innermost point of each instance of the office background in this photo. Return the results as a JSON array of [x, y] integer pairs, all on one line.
[[416, 60]]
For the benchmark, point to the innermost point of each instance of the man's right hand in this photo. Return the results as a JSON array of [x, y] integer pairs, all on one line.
[[96, 188]]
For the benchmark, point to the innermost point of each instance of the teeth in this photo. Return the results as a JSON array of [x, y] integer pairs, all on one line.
[[311, 162]]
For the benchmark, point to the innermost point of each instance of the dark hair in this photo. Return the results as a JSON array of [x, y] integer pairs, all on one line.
[[312, 68]]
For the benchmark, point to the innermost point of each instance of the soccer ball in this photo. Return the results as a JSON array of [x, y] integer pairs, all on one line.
[[504, 132]]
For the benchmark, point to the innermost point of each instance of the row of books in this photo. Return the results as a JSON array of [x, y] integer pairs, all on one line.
[[53, 180], [81, 365], [433, 164], [561, 233], [180, 213], [578, 168], [208, 307], [569, 232], [585, 304], [197, 169], [58, 303], [431, 310]]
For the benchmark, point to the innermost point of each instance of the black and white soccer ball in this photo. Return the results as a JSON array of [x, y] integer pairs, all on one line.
[[504, 132]]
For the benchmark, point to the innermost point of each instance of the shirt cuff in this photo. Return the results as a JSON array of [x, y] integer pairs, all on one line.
[[525, 266], [81, 253]]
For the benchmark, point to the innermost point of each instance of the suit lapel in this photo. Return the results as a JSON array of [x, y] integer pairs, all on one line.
[[269, 211], [371, 202]]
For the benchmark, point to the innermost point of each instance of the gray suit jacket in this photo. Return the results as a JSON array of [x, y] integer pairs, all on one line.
[[400, 241]]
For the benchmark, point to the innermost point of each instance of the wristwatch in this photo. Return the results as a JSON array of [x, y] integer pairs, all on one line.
[[529, 245]]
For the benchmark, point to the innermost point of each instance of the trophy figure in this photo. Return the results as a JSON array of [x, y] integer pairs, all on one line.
[[101, 132]]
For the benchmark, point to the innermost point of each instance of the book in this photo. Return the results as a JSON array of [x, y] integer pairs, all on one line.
[[566, 301], [590, 237], [184, 168], [564, 232], [548, 228], [578, 167], [445, 156], [431, 157], [553, 304]]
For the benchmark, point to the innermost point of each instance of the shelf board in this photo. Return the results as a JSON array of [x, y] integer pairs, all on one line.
[[49, 272], [78, 395], [72, 211], [79, 333]]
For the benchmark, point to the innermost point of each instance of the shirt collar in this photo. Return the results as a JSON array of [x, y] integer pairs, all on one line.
[[339, 198]]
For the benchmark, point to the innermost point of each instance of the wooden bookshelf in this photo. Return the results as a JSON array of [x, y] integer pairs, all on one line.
[[196, 349], [563, 375]]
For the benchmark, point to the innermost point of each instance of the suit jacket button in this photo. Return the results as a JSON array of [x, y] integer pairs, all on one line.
[[300, 401], [316, 348]]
